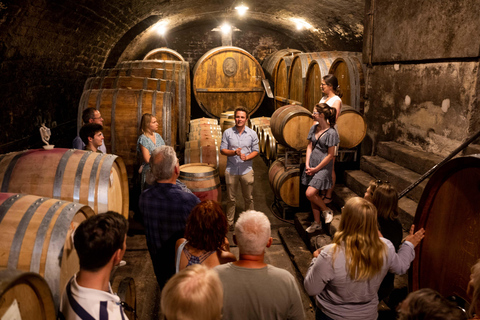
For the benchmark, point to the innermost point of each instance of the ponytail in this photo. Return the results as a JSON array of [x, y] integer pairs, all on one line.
[[329, 113], [332, 81]]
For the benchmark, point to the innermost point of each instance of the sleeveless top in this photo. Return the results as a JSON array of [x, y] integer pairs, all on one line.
[[191, 258]]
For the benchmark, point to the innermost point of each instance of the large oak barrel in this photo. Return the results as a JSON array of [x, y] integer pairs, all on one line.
[[285, 183], [352, 127], [202, 179], [298, 71], [179, 71], [271, 62], [122, 112], [280, 89], [449, 211], [25, 295], [99, 180], [36, 235], [225, 77], [129, 82], [124, 288], [163, 54], [290, 126], [350, 71], [317, 69]]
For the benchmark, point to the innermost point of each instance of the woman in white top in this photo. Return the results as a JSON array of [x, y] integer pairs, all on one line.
[[332, 97]]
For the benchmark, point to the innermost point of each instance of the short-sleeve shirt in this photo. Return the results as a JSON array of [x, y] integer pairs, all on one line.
[[148, 143], [247, 141]]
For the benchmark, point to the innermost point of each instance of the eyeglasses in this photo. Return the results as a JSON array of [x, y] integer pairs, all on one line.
[[316, 112]]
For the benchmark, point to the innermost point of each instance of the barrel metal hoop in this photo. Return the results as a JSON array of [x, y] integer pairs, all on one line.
[[40, 237], [78, 177], [115, 83], [99, 99], [104, 182], [7, 204], [55, 249], [93, 178], [57, 184], [8, 172], [167, 108], [82, 106], [113, 143], [198, 176], [322, 67], [20, 233], [145, 83], [205, 189]]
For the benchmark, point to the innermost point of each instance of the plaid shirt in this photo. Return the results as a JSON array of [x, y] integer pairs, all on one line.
[[165, 208]]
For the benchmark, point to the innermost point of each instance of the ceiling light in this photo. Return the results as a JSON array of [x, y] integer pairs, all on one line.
[[241, 9], [226, 28]]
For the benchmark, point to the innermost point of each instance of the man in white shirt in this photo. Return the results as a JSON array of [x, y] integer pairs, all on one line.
[[100, 242]]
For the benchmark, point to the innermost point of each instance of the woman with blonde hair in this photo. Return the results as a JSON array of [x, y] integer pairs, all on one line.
[[195, 293], [345, 275]]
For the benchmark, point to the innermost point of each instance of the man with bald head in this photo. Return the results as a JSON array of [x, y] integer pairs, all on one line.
[[165, 208]]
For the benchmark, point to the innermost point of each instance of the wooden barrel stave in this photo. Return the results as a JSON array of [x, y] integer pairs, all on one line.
[[352, 127], [35, 232], [202, 179], [163, 54], [28, 294], [317, 69], [290, 126], [99, 180]]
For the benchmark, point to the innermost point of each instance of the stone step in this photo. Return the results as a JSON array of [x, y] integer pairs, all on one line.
[[400, 177], [416, 160], [358, 181]]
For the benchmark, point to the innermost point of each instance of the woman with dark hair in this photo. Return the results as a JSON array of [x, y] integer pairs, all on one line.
[[147, 142], [318, 163], [205, 239], [332, 97], [345, 275]]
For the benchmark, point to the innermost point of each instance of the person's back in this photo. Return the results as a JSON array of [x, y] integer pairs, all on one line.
[[252, 288], [100, 242]]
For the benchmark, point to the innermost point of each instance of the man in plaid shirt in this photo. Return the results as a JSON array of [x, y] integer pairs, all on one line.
[[165, 208]]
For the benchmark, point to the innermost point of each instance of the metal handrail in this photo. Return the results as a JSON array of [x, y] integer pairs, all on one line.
[[438, 165]]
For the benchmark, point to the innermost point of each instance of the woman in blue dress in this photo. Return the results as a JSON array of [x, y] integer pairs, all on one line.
[[319, 162], [147, 142]]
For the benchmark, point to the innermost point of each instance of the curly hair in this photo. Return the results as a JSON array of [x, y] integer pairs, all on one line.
[[207, 226], [329, 112]]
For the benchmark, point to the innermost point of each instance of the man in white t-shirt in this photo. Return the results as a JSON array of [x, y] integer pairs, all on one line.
[[100, 242]]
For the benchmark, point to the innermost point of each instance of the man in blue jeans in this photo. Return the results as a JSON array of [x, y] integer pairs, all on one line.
[[240, 145]]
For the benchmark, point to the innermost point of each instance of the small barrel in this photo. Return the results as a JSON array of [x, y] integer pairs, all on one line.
[[227, 115], [290, 126], [25, 295], [96, 179], [265, 131], [226, 76], [36, 236], [350, 72], [202, 179], [227, 124], [285, 183], [203, 152], [163, 54], [203, 121], [259, 121], [352, 127], [125, 289], [270, 146], [449, 212]]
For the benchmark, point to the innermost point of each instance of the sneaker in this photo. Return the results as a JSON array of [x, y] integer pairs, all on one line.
[[122, 263], [328, 215], [314, 227]]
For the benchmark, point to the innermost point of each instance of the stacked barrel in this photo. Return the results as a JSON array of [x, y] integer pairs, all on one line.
[[123, 94]]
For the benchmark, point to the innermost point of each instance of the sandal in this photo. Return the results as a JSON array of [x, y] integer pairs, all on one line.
[[326, 199]]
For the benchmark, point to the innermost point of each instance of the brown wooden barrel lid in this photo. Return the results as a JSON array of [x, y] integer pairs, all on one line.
[[449, 210]]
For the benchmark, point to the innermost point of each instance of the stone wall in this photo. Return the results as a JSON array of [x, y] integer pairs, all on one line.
[[422, 83]]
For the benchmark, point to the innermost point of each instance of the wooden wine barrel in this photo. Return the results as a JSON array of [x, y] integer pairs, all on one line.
[[290, 126], [317, 69], [202, 179], [36, 235], [285, 183], [259, 121], [298, 72], [227, 116], [274, 168], [129, 82], [225, 77], [280, 86], [350, 72], [179, 71], [25, 295], [264, 132], [227, 124], [271, 62], [122, 112], [203, 151], [98, 180], [352, 127], [125, 289], [449, 212], [163, 54], [203, 121], [270, 146]]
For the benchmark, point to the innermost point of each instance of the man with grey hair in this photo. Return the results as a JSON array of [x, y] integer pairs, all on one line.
[[252, 288], [165, 208]]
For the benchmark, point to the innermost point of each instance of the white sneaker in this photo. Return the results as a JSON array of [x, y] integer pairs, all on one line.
[[328, 215], [314, 227], [122, 263]]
